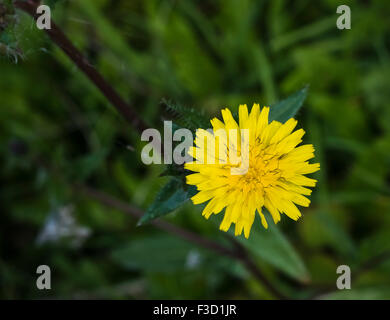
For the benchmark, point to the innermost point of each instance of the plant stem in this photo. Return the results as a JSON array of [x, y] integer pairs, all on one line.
[[59, 38], [110, 201], [238, 253]]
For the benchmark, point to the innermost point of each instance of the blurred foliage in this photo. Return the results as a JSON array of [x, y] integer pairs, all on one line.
[[57, 130]]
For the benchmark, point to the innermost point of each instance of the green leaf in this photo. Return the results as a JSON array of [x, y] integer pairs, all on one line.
[[174, 194], [189, 118], [288, 108], [270, 245], [173, 170], [161, 253]]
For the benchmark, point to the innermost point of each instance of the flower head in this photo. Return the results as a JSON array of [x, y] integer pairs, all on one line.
[[264, 168]]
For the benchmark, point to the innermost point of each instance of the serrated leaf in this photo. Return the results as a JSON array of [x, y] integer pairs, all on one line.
[[173, 170], [169, 198], [288, 108], [189, 118], [270, 245]]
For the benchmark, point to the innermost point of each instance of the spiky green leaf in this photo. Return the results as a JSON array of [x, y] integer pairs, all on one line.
[[174, 194], [288, 108], [189, 118]]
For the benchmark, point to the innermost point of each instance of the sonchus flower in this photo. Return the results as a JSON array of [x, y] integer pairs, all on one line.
[[273, 177]]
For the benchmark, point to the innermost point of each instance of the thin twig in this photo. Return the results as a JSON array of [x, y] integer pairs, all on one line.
[[59, 38], [110, 201], [238, 253]]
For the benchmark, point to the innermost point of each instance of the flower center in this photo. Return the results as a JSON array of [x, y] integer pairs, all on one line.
[[263, 170]]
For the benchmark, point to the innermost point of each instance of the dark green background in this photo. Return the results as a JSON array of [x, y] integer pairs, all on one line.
[[57, 129]]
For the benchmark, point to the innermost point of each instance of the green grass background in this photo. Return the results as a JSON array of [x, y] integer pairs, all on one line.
[[206, 55]]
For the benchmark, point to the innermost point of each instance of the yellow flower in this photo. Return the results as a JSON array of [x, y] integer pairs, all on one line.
[[274, 177]]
